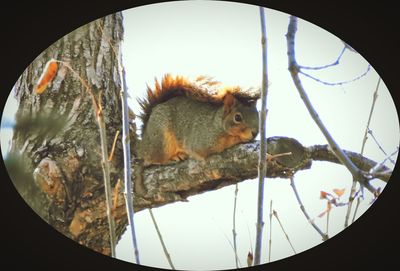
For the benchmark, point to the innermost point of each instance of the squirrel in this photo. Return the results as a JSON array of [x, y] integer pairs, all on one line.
[[183, 119]]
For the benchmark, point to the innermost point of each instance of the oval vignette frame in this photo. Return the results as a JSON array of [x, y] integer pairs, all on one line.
[[267, 25]]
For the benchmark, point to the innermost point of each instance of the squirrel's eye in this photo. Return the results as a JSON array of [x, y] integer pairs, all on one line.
[[238, 117]]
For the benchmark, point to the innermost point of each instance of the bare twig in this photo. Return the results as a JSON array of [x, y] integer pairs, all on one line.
[[337, 83], [323, 235], [380, 165], [356, 209], [104, 152], [325, 153], [380, 147], [375, 97], [127, 157], [353, 187], [286, 235], [351, 199], [107, 184], [234, 225], [251, 243], [125, 143], [85, 84], [294, 71], [113, 146], [270, 232], [327, 220], [167, 255], [230, 243], [262, 169], [336, 62]]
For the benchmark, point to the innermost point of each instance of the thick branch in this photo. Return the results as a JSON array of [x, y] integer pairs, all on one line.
[[176, 182], [323, 153]]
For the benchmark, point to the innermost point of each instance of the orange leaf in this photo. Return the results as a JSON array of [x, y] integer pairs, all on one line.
[[49, 72], [339, 192], [323, 195]]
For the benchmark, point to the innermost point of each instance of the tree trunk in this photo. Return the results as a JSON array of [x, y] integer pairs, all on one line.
[[58, 137]]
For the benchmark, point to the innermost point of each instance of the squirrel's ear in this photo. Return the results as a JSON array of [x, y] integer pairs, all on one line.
[[229, 103]]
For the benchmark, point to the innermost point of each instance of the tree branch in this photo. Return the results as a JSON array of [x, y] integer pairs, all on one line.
[[177, 181], [294, 72], [336, 62], [338, 83], [323, 153], [303, 209], [353, 186], [262, 163]]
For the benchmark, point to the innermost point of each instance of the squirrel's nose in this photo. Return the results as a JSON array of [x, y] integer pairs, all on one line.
[[254, 133]]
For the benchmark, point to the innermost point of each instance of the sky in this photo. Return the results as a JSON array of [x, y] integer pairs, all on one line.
[[222, 40]]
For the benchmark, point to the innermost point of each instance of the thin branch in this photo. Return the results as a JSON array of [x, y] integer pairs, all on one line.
[[229, 242], [324, 153], [375, 97], [113, 146], [248, 233], [327, 222], [336, 83], [105, 164], [379, 166], [127, 157], [353, 186], [167, 255], [294, 71], [125, 143], [336, 62], [323, 235], [283, 229], [270, 232], [380, 147], [234, 225], [351, 199], [96, 105], [356, 209], [262, 164]]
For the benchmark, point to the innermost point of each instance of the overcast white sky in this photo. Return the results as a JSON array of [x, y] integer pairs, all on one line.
[[222, 39]]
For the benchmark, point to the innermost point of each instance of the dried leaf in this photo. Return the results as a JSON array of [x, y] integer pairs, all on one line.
[[339, 192], [377, 193], [250, 259], [49, 72], [323, 195]]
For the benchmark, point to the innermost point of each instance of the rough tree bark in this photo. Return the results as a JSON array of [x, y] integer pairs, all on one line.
[[55, 161], [57, 133]]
